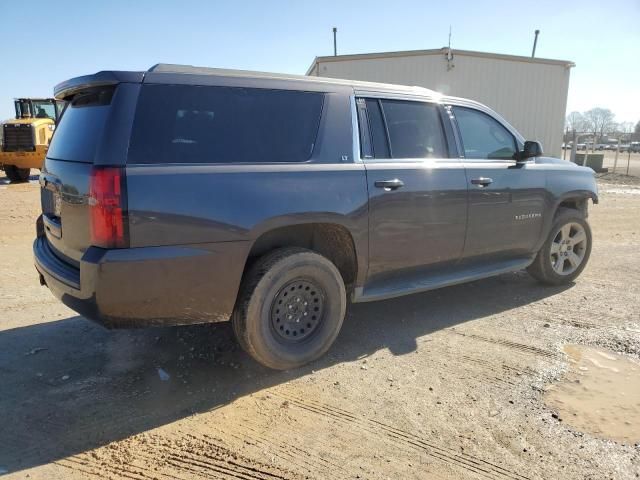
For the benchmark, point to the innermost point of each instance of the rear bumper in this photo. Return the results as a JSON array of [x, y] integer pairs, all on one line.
[[146, 286]]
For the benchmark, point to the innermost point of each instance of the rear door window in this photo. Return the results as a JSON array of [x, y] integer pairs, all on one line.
[[80, 129], [378, 131], [483, 137], [198, 124], [414, 129]]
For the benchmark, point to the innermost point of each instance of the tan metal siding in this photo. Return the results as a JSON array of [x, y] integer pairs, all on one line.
[[531, 96]]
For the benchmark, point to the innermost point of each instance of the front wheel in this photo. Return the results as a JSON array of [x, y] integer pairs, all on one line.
[[15, 174], [566, 252], [290, 309]]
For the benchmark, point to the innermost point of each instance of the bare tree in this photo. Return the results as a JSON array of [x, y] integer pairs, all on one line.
[[625, 129], [576, 121], [600, 121], [636, 132]]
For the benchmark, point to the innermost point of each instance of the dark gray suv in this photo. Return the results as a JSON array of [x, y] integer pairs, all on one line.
[[186, 195]]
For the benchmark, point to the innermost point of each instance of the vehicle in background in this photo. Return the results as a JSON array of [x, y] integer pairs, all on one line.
[[581, 146], [25, 139], [190, 195], [635, 147], [625, 148]]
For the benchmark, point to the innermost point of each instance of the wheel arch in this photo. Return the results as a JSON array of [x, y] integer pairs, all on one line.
[[577, 199], [331, 240]]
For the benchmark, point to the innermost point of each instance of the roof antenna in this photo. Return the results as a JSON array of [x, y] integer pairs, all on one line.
[[535, 43], [450, 64], [335, 42]]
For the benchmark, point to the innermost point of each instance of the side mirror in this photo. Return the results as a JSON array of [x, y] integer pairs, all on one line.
[[530, 150]]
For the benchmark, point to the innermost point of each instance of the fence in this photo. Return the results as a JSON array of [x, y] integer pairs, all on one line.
[[617, 158]]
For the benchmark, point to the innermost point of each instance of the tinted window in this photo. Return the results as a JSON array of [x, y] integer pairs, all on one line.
[[79, 131], [378, 132], [483, 136], [366, 149], [192, 124], [415, 129]]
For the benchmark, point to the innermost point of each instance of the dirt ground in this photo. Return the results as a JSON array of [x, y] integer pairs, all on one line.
[[448, 384]]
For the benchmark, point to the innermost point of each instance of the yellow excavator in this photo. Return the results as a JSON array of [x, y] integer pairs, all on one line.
[[25, 139]]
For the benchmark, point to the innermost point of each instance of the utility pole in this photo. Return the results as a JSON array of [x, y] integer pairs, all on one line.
[[535, 43], [335, 42]]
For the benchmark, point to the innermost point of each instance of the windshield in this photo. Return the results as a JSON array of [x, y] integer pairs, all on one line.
[[44, 109]]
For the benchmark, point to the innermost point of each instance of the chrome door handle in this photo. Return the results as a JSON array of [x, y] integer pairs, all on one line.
[[389, 185], [482, 181]]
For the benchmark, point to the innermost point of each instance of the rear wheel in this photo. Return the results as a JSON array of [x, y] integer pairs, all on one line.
[[15, 174], [566, 252], [290, 309]]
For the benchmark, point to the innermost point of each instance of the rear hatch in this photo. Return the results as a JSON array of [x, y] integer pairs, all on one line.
[[72, 209]]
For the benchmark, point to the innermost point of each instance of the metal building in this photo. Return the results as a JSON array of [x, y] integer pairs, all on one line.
[[531, 93]]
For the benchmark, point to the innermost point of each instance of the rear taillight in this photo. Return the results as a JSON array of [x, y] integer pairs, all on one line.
[[107, 204]]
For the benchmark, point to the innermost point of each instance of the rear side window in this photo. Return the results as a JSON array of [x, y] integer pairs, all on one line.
[[414, 128], [484, 137], [195, 124], [80, 128]]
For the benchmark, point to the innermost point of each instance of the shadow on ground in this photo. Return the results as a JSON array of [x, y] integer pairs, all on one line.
[[5, 181], [69, 386]]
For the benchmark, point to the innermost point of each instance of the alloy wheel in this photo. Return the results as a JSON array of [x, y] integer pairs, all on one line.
[[568, 248]]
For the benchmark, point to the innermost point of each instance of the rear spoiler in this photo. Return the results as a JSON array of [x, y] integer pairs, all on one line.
[[68, 88]]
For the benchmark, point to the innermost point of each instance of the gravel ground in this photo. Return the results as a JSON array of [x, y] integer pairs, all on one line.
[[448, 384]]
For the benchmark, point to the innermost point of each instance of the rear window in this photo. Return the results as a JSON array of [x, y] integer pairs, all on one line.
[[80, 128], [195, 124]]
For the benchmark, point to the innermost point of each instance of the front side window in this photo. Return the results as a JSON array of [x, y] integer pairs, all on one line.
[[483, 137], [23, 109], [197, 124]]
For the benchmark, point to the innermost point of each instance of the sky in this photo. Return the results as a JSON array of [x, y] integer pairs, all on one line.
[[46, 42]]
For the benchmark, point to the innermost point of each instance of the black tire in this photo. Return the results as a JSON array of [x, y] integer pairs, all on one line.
[[543, 269], [15, 174], [280, 282]]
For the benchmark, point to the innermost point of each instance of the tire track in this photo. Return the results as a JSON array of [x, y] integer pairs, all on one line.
[[187, 456], [284, 448], [197, 463], [509, 369], [120, 470], [508, 343], [244, 464], [480, 375], [450, 457], [591, 325]]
